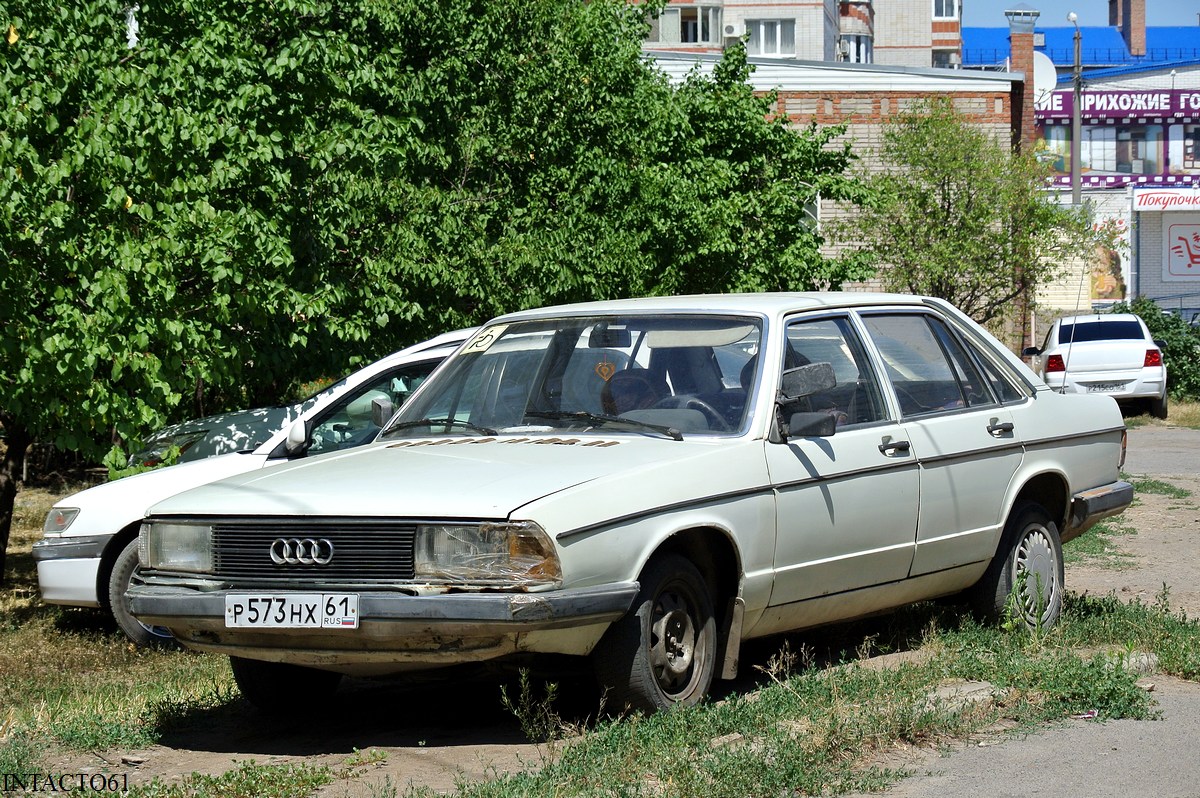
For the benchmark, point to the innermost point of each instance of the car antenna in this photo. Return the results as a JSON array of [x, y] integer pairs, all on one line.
[[1071, 341]]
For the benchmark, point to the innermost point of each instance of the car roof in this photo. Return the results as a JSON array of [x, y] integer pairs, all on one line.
[[1100, 317], [421, 351], [770, 304]]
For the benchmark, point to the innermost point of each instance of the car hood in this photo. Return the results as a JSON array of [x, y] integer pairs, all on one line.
[[466, 478]]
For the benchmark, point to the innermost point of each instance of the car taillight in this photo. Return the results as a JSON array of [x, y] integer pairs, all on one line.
[[1055, 363], [1153, 358]]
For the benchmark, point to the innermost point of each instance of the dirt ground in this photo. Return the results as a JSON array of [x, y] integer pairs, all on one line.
[[382, 738], [1165, 550]]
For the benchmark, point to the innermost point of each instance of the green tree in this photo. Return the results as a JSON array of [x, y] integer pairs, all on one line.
[[267, 191], [960, 216]]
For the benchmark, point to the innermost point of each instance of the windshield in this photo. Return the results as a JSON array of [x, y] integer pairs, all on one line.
[[673, 375]]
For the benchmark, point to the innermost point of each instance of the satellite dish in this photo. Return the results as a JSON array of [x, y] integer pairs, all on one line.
[[1045, 78]]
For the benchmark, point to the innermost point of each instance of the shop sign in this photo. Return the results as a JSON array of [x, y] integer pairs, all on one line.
[[1166, 199], [1150, 103]]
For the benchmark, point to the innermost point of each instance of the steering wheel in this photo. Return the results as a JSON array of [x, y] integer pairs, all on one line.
[[711, 415]]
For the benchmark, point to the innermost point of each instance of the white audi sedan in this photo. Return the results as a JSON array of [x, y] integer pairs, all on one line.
[[88, 553], [646, 483], [1105, 353]]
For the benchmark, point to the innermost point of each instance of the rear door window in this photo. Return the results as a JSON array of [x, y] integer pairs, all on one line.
[[928, 367]]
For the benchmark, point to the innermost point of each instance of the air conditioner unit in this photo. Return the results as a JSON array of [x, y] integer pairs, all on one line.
[[734, 30]]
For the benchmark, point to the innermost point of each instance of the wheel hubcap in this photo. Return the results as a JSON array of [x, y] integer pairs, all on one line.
[[1037, 564]]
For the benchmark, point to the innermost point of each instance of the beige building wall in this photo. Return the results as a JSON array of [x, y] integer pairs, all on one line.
[[904, 33]]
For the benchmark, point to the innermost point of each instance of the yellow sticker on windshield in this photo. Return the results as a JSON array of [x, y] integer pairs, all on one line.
[[484, 339]]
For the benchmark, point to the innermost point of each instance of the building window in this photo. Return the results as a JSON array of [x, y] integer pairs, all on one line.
[[857, 49], [771, 37], [945, 9], [946, 59], [686, 25]]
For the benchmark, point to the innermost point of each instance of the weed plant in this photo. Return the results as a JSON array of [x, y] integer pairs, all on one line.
[[247, 780]]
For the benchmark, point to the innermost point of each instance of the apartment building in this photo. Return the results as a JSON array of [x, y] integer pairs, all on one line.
[[914, 33]]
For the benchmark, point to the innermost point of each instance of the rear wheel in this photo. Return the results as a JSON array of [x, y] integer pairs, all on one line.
[[1025, 581], [280, 688], [1158, 407], [124, 572], [663, 653]]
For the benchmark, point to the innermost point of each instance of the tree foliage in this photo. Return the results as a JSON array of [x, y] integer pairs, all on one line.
[[265, 191], [960, 216]]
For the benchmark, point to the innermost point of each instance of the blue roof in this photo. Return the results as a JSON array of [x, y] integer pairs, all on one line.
[[1100, 46], [1097, 74]]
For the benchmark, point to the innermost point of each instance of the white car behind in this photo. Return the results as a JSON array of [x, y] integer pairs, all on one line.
[[88, 553], [1105, 353]]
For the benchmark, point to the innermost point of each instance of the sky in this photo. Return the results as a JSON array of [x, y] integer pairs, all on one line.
[[990, 13]]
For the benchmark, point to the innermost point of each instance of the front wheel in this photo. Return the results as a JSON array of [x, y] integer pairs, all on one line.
[[124, 572], [280, 688], [663, 653], [1025, 580]]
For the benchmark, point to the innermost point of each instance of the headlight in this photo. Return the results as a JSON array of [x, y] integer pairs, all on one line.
[[175, 547], [517, 553], [59, 518]]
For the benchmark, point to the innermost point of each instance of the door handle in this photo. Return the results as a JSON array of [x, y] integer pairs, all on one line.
[[998, 429], [894, 447]]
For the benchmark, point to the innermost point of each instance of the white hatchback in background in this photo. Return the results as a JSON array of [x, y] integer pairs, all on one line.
[[89, 550], [1108, 353]]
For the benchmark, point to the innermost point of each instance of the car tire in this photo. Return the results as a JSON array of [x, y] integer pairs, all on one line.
[[1024, 581], [123, 574], [1158, 407], [663, 653], [280, 688]]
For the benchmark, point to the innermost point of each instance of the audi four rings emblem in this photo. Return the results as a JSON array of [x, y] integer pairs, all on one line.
[[301, 551]]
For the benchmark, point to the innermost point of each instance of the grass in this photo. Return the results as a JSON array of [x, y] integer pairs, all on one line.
[[1098, 546], [816, 723], [1179, 414], [247, 780]]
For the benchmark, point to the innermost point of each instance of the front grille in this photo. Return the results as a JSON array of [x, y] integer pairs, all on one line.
[[361, 551]]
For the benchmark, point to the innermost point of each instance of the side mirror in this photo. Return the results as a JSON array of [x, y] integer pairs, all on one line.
[[297, 437], [381, 411], [1031, 351], [806, 380], [1160, 344], [798, 383]]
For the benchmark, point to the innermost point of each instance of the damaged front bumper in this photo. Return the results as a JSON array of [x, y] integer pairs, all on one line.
[[397, 631]]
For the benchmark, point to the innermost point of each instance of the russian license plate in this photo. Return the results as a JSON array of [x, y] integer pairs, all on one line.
[[1105, 387], [292, 611]]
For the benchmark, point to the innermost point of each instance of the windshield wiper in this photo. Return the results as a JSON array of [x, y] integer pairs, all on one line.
[[596, 418], [440, 422]]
